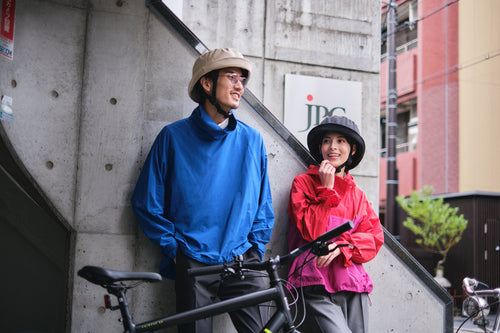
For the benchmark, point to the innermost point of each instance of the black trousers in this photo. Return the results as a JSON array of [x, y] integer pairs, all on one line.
[[194, 292]]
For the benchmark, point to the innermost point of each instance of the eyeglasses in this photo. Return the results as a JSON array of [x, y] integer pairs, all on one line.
[[235, 78]]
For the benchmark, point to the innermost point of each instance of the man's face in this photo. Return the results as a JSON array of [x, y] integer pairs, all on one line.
[[230, 88]]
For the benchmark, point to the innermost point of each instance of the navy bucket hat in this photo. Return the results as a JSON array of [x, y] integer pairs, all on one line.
[[338, 124]]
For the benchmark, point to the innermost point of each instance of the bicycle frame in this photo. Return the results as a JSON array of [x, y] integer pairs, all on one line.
[[276, 293], [282, 317]]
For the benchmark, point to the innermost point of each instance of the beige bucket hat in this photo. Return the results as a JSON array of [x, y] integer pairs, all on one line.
[[212, 60]]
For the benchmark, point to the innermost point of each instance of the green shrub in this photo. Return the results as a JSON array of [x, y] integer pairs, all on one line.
[[436, 225]]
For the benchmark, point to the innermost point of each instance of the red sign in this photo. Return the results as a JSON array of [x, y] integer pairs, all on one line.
[[7, 28]]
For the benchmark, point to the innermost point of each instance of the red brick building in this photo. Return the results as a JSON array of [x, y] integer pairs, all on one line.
[[427, 85]]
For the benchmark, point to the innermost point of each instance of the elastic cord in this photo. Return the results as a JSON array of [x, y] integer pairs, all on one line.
[[346, 163], [213, 100]]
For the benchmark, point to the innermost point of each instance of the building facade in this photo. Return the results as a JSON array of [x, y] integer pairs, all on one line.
[[448, 85], [448, 89]]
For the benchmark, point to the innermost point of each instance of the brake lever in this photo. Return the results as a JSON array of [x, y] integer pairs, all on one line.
[[321, 248], [234, 271]]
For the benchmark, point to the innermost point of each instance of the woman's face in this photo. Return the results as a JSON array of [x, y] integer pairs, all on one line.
[[336, 149]]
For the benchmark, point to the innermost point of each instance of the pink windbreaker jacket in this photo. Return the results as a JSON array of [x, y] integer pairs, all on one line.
[[314, 209]]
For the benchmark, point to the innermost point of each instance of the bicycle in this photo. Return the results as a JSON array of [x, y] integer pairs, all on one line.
[[476, 306], [113, 282]]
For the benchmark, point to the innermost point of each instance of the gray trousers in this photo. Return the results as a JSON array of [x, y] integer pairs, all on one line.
[[342, 312], [203, 290]]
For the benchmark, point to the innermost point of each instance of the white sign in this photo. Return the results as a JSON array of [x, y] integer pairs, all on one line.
[[6, 112], [309, 99], [175, 6]]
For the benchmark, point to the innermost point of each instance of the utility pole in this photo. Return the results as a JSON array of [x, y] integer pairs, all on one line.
[[391, 218]]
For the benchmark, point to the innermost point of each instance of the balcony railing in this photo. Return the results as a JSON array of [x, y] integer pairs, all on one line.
[[400, 148], [401, 49]]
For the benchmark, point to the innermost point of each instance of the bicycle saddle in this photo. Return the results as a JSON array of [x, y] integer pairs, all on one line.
[[104, 276]]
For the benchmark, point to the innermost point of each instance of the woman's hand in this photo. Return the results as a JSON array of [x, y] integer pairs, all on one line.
[[328, 258], [327, 174]]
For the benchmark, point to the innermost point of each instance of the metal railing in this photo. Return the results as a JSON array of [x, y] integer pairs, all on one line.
[[401, 49]]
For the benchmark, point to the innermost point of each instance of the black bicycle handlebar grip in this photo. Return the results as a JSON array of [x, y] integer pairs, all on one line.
[[335, 232], [205, 270], [321, 239]]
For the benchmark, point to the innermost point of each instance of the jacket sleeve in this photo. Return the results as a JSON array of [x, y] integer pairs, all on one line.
[[149, 197], [262, 226], [310, 205], [368, 236]]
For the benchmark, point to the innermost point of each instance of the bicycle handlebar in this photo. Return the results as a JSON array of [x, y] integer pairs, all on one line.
[[321, 239], [259, 266], [470, 286]]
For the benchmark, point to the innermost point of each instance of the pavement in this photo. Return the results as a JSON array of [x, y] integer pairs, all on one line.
[[469, 326]]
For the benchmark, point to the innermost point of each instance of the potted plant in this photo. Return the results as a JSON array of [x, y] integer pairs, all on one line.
[[436, 225]]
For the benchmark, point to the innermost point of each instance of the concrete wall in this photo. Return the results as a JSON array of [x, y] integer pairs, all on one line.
[[93, 82]]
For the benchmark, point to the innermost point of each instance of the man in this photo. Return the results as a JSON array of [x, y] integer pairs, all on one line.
[[203, 194]]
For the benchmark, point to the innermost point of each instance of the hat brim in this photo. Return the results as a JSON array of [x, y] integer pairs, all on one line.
[[220, 64], [317, 133]]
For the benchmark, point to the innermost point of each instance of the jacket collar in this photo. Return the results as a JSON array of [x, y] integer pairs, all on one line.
[[348, 180], [206, 128]]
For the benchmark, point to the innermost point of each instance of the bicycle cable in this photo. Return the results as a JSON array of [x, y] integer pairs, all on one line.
[[322, 249], [475, 313], [301, 296]]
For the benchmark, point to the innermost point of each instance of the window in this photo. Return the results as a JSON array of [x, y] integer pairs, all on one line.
[[407, 130], [406, 30]]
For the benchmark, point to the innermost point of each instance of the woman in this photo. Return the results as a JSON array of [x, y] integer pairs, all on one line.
[[334, 287]]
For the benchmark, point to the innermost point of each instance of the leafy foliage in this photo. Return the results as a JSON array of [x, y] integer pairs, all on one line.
[[436, 225]]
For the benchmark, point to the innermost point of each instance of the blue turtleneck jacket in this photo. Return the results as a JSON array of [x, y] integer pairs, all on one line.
[[205, 191]]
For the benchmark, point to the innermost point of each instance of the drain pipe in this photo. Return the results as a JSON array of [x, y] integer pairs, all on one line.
[[391, 218]]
